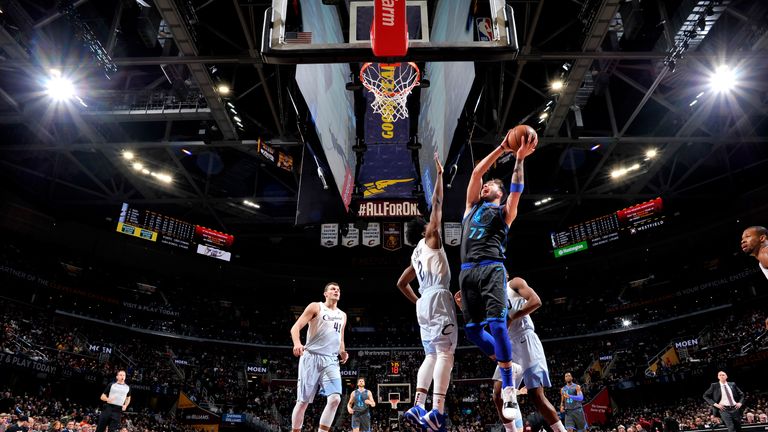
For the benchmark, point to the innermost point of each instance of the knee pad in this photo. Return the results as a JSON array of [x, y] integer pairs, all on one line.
[[481, 338], [503, 347], [333, 400]]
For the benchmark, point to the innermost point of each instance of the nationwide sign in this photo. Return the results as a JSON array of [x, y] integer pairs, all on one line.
[[370, 209]]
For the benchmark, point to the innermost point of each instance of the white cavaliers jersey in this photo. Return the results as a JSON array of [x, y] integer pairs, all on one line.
[[324, 334], [765, 270], [431, 267], [515, 302]]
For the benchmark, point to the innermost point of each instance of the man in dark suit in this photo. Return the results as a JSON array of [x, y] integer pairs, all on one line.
[[726, 400]]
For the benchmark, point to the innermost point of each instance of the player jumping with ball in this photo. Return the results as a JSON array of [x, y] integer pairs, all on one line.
[[483, 278]]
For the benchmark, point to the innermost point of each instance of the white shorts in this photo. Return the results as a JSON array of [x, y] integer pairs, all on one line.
[[436, 314], [528, 352], [317, 372]]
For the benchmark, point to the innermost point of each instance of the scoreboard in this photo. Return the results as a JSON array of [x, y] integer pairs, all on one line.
[[394, 368], [608, 228], [156, 227]]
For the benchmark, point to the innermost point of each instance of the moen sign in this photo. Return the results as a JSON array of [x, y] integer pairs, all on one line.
[[563, 251], [372, 209]]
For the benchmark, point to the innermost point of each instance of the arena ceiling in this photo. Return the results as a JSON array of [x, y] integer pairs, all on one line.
[[636, 81]]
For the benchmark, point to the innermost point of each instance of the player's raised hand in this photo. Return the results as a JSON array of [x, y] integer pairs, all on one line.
[[298, 350], [529, 143], [344, 357], [457, 298], [438, 165], [505, 142]]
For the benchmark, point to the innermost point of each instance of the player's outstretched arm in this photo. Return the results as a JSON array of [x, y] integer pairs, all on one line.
[[432, 231], [309, 312], [404, 284], [532, 300], [476, 180], [516, 188]]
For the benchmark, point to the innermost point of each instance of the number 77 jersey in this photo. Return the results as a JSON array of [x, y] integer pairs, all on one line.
[[484, 235]]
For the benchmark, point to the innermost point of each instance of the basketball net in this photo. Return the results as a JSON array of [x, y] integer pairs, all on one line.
[[394, 402], [390, 84]]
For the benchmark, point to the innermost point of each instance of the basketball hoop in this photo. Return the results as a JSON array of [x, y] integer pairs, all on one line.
[[394, 403], [390, 84]]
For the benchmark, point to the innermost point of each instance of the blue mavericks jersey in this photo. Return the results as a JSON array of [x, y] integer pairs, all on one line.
[[485, 234], [360, 397]]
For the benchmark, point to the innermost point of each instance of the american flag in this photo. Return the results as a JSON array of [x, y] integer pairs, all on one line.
[[298, 37]]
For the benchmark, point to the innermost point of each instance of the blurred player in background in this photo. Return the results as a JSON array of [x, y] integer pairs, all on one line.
[[360, 404]]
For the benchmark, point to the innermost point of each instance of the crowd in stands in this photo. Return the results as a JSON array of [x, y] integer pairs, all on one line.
[[689, 414], [68, 317], [46, 413], [217, 375]]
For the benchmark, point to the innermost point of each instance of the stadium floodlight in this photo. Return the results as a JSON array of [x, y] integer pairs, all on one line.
[[542, 201], [651, 153], [223, 89], [128, 155], [723, 79], [252, 204], [59, 88], [556, 85], [619, 172], [626, 323], [138, 166]]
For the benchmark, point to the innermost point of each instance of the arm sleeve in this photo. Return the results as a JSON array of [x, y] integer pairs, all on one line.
[[129, 393], [107, 389], [578, 397]]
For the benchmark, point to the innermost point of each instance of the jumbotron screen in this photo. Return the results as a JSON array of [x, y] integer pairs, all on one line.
[[608, 228], [153, 226]]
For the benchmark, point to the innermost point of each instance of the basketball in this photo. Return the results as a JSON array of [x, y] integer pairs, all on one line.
[[516, 135]]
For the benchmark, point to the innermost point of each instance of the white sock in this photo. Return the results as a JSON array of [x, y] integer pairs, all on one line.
[[558, 427], [331, 404], [424, 378], [421, 399], [510, 427], [442, 377], [297, 417]]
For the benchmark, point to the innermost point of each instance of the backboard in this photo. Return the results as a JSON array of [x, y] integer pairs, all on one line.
[[313, 33], [402, 390]]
